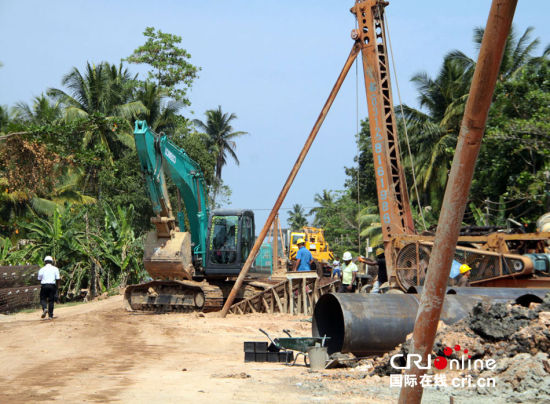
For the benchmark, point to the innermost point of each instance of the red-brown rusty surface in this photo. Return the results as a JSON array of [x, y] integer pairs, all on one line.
[[290, 179], [458, 187], [393, 199]]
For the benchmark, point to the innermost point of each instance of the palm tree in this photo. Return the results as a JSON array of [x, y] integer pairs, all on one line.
[[104, 94], [67, 190], [42, 111], [297, 217], [220, 133], [434, 133], [517, 52], [371, 227], [103, 88], [325, 208], [161, 111]]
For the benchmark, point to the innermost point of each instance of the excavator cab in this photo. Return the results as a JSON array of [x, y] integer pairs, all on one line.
[[229, 241]]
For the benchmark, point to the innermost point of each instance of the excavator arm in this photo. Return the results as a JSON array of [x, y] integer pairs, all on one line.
[[159, 157]]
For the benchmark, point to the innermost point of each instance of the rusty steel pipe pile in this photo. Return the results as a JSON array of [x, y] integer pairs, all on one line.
[[522, 296], [367, 324], [293, 172], [458, 188]]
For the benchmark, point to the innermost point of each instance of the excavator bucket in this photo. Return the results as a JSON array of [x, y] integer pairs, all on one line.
[[169, 258]]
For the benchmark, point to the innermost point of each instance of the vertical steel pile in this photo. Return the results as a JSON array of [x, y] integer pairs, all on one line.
[[458, 187]]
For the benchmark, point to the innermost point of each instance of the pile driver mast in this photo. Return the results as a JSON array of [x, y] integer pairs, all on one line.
[[393, 199]]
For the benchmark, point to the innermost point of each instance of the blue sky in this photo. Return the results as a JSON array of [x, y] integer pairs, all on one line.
[[271, 63]]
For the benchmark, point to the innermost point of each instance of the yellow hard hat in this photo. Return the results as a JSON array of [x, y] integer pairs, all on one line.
[[379, 251], [464, 268], [300, 241]]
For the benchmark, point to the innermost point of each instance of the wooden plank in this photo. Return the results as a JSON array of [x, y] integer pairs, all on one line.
[[251, 306], [285, 300], [304, 296], [267, 310], [290, 297], [297, 295], [278, 301], [301, 274], [316, 291]]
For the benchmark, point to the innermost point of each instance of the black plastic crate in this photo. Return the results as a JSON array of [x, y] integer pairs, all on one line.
[[273, 356], [260, 347], [286, 356], [249, 357], [261, 357], [255, 346]]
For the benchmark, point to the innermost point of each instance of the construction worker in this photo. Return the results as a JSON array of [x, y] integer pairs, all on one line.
[[336, 272], [49, 280], [381, 262], [382, 276], [304, 259], [463, 279], [349, 273]]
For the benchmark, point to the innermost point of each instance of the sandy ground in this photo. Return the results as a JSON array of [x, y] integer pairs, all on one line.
[[98, 352]]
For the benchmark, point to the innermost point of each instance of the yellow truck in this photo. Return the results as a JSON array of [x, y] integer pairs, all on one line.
[[316, 244]]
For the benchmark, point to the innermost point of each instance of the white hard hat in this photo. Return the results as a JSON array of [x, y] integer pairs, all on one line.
[[347, 256], [48, 258]]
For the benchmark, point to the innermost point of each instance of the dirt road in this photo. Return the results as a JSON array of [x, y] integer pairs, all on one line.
[[98, 352]]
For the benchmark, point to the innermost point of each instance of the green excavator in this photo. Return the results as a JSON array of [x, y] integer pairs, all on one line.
[[191, 257]]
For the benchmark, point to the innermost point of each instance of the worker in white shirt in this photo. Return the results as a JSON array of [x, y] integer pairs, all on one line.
[[49, 279]]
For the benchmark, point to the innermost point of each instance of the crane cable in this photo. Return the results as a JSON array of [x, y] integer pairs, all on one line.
[[403, 118]]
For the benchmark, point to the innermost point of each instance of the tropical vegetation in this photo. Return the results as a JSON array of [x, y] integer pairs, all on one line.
[[71, 186], [70, 182]]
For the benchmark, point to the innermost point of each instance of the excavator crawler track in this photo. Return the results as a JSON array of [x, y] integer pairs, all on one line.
[[173, 295]]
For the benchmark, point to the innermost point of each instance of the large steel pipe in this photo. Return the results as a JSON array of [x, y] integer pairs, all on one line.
[[521, 296], [367, 324]]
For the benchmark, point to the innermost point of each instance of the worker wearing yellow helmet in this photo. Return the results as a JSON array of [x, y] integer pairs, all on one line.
[[463, 279], [304, 259]]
